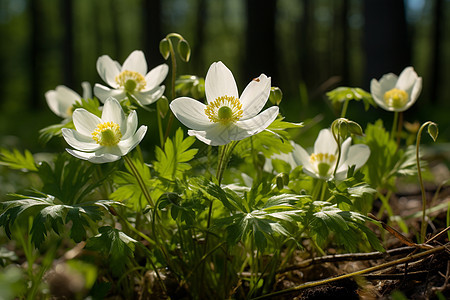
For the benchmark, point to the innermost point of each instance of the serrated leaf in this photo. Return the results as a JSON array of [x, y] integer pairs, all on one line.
[[16, 160], [342, 94], [118, 247], [171, 163], [273, 140], [91, 105]]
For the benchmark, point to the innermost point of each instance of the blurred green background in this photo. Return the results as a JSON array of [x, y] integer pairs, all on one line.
[[308, 47]]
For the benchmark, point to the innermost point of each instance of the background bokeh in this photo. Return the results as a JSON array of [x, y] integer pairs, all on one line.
[[308, 47]]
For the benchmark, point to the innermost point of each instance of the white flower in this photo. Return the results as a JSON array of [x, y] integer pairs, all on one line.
[[227, 117], [322, 162], [104, 139], [394, 93], [130, 79], [61, 99]]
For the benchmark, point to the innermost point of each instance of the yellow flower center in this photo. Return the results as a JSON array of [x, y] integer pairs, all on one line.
[[396, 98], [324, 161], [225, 109], [69, 111], [131, 81], [107, 134]]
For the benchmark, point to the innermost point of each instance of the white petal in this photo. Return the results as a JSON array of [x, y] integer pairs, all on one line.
[[301, 156], [108, 70], [219, 82], [156, 76], [113, 112], [415, 93], [149, 97], [406, 79], [92, 157], [388, 82], [129, 144], [216, 135], [79, 141], [129, 127], [87, 90], [102, 93], [344, 149], [325, 142], [191, 113], [135, 62], [84, 121], [377, 94], [255, 96], [357, 156], [254, 125], [55, 104]]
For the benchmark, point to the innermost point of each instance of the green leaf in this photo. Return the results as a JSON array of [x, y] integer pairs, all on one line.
[[16, 160], [47, 133], [342, 94], [273, 140], [91, 105], [49, 214], [116, 245], [171, 163]]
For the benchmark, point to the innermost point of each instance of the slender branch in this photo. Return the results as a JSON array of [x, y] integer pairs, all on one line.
[[357, 273]]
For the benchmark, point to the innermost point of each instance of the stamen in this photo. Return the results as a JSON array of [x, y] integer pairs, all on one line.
[[107, 134], [323, 161], [225, 109], [396, 98], [131, 81]]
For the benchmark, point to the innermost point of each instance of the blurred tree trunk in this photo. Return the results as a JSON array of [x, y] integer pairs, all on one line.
[[199, 37], [260, 37], [386, 41], [115, 29], [344, 43], [152, 31], [35, 54], [306, 57], [68, 45], [438, 14]]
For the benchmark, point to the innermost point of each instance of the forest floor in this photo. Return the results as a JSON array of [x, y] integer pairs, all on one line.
[[405, 271]]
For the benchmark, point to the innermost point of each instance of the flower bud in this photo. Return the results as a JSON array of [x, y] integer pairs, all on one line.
[[276, 95], [260, 160], [354, 128], [280, 181], [162, 106], [433, 131], [184, 50], [164, 48]]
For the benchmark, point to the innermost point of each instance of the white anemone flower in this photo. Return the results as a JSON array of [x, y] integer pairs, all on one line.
[[227, 117], [322, 162], [130, 79], [394, 93], [104, 139], [62, 99]]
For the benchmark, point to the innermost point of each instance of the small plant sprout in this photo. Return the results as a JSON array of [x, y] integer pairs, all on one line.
[[433, 132], [227, 117], [105, 139], [62, 99], [130, 80]]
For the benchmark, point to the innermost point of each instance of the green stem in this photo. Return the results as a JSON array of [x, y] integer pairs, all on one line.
[[344, 108], [423, 226], [139, 179], [394, 125], [160, 129], [338, 141]]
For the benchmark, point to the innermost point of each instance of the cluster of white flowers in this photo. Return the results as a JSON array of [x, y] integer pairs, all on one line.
[[224, 118]]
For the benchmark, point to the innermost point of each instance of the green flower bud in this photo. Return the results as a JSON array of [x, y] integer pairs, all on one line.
[[184, 50], [260, 160], [164, 48], [162, 106], [276, 95], [354, 128], [433, 131]]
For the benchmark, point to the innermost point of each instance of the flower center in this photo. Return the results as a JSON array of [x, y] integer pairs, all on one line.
[[324, 161], [69, 111], [396, 98], [225, 110], [107, 134], [131, 81]]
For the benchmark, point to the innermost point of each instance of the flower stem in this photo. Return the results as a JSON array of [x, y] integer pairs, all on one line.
[[344, 108], [139, 179], [160, 129], [394, 125], [423, 226]]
